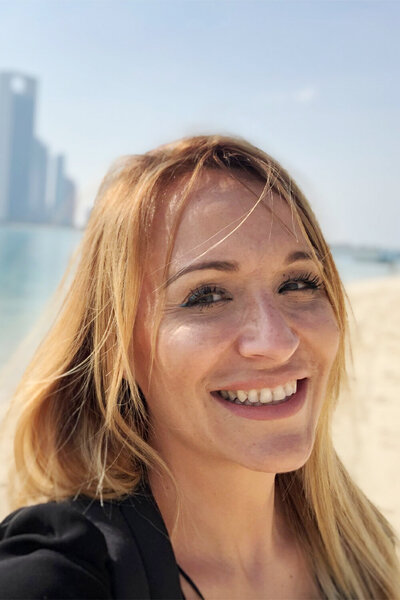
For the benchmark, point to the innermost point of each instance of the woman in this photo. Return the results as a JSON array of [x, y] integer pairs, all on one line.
[[178, 412]]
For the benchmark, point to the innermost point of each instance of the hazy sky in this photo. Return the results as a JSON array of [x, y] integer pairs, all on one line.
[[315, 83]]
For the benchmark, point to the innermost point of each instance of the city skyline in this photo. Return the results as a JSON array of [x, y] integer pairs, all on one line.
[[34, 187], [313, 83]]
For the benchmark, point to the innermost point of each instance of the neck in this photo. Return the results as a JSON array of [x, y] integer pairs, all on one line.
[[227, 513]]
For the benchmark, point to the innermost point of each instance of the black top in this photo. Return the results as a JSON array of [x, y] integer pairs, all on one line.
[[80, 549]]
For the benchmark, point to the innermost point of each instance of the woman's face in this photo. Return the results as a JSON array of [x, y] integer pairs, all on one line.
[[243, 326]]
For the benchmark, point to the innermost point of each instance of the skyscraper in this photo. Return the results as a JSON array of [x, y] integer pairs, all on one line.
[[63, 209], [17, 112], [34, 186], [38, 183]]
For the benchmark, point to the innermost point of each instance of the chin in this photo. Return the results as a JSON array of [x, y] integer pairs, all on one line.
[[284, 455]]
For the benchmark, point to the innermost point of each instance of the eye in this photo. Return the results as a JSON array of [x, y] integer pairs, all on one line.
[[206, 296], [300, 283]]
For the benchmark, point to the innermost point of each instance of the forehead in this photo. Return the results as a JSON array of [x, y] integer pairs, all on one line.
[[222, 205]]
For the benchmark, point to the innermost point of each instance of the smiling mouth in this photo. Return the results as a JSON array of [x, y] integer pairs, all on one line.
[[263, 396]]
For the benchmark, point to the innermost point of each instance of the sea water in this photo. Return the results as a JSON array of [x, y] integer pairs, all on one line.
[[32, 262], [34, 258]]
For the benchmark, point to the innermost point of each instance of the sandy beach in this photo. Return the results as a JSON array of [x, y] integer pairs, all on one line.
[[367, 423]]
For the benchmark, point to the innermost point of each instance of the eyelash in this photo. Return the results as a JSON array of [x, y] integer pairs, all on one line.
[[197, 296], [312, 282]]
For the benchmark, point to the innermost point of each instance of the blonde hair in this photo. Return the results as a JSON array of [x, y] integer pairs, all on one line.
[[83, 426]]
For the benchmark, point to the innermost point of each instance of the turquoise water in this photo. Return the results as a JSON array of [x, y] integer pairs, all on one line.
[[32, 262], [351, 269]]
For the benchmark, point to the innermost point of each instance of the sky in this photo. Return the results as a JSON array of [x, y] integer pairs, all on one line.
[[314, 83]]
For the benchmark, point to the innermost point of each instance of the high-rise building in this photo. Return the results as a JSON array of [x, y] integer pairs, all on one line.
[[17, 113], [62, 194], [38, 183], [33, 186], [59, 183], [69, 202]]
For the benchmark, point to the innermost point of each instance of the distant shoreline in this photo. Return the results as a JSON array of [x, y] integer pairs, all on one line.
[[27, 224]]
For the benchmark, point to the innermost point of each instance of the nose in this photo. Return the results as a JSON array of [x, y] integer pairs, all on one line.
[[266, 332]]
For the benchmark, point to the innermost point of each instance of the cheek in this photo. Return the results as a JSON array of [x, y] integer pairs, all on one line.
[[318, 328], [195, 342], [329, 337], [186, 351]]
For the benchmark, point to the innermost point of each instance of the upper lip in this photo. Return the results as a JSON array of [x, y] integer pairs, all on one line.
[[259, 384]]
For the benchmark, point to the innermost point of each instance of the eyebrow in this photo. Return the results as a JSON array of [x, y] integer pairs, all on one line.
[[299, 255], [216, 265], [231, 266]]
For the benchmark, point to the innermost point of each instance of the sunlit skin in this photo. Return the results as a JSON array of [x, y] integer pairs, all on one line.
[[261, 319]]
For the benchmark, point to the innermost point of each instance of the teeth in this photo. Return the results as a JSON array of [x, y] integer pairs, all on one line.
[[253, 396], [265, 396], [288, 389], [279, 393], [262, 396]]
